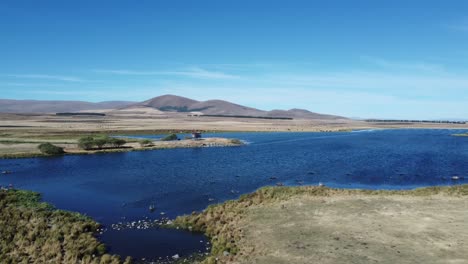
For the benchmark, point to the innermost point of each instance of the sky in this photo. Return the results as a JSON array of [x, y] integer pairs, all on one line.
[[367, 59]]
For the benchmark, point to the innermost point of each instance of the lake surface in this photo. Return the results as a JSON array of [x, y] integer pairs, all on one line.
[[120, 187]]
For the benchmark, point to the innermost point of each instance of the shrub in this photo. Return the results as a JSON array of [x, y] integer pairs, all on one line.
[[86, 143], [99, 142], [49, 149], [170, 137], [117, 142], [236, 141], [146, 142]]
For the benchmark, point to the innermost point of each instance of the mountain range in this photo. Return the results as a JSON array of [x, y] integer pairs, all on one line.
[[161, 104], [38, 106]]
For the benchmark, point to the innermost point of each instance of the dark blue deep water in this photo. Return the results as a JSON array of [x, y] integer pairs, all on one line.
[[117, 186]]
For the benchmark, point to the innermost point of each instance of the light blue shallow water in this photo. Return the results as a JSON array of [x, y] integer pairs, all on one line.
[[111, 187]]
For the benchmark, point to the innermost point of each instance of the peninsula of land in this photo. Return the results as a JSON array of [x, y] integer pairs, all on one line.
[[324, 226]]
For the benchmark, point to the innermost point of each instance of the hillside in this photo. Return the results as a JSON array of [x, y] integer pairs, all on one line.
[[173, 103], [37, 106], [161, 105], [301, 114]]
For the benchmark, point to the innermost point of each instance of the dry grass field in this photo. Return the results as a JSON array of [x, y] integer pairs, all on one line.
[[21, 133], [299, 225], [164, 121]]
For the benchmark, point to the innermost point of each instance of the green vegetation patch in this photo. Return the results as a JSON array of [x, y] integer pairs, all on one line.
[[34, 232], [170, 137], [50, 149], [99, 142], [146, 143]]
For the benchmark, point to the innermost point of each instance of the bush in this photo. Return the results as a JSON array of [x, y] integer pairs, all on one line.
[[116, 142], [236, 141], [49, 149], [86, 143], [146, 142], [99, 142], [170, 137]]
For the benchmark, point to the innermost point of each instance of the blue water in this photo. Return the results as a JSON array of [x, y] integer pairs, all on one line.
[[120, 186]]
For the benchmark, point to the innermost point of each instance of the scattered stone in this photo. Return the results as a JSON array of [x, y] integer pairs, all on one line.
[[225, 253], [175, 257], [141, 224]]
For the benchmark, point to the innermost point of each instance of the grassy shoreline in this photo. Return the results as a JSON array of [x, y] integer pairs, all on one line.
[[32, 230], [35, 232], [131, 146], [222, 222], [66, 138]]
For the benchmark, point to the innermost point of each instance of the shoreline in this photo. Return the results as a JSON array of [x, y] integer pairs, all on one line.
[[133, 146], [225, 223], [68, 140]]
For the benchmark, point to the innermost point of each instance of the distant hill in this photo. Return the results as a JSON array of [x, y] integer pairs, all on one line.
[[300, 114], [37, 106], [161, 105], [173, 103], [168, 103]]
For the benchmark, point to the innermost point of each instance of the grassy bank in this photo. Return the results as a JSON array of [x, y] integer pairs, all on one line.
[[34, 232], [26, 149], [226, 223]]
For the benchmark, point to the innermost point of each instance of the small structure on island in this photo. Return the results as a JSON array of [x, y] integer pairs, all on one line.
[[196, 135]]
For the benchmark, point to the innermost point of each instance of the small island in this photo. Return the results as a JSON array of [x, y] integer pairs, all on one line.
[[56, 145], [461, 135]]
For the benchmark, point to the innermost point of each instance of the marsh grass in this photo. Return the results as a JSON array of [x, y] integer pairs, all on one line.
[[32, 231]]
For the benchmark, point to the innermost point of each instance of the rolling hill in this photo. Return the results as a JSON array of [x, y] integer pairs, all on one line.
[[173, 103], [37, 106], [165, 104]]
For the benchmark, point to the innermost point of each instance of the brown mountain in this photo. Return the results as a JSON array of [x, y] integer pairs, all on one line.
[[164, 104], [220, 107], [168, 103], [173, 103], [301, 114], [36, 106]]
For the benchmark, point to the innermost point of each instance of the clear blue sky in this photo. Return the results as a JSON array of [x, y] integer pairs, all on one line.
[[395, 59]]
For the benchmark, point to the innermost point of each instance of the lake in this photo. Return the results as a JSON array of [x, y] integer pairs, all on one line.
[[120, 187]]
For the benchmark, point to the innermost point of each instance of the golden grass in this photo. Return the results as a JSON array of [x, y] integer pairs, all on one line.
[[221, 222]]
